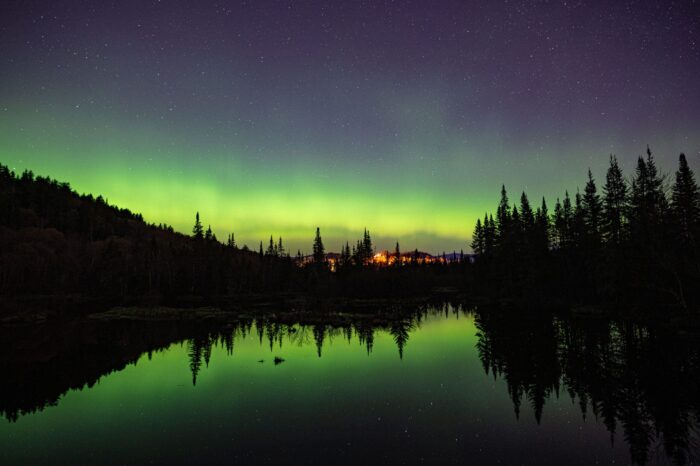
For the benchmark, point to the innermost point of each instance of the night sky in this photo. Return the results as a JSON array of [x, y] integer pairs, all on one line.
[[402, 117]]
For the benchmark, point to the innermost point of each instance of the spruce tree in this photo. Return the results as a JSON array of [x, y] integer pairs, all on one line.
[[208, 235], [648, 200], [367, 247], [198, 230], [542, 228], [271, 248], [615, 197], [558, 224], [579, 223], [345, 255], [527, 217], [319, 252], [592, 210], [516, 223], [685, 200], [503, 215], [567, 221], [280, 248], [478, 239]]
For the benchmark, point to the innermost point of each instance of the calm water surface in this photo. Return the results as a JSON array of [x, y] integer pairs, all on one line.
[[439, 387]]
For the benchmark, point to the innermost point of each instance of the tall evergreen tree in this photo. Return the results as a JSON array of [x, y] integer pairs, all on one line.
[[648, 197], [578, 229], [367, 246], [685, 201], [527, 217], [198, 230], [542, 228], [478, 239], [397, 254], [515, 220], [208, 235], [280, 248], [614, 204], [558, 224], [648, 207], [503, 215], [319, 252], [489, 235], [567, 221], [345, 255], [592, 210], [271, 248]]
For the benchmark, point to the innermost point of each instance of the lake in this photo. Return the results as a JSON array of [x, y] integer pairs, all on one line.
[[438, 385]]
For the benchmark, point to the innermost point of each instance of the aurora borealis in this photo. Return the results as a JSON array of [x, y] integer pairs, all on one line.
[[272, 118]]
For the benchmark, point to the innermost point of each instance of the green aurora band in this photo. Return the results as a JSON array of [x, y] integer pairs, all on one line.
[[429, 203]]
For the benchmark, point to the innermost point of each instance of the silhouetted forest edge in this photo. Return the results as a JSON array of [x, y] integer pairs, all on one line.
[[631, 249]]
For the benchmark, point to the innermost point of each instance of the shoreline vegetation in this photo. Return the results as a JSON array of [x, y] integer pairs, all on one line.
[[632, 248]]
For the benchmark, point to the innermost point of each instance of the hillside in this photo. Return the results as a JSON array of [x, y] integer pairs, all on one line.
[[54, 241]]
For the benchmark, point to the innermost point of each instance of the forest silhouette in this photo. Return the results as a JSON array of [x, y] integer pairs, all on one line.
[[632, 243]]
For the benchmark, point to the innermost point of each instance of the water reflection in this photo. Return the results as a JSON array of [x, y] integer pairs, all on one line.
[[643, 385]]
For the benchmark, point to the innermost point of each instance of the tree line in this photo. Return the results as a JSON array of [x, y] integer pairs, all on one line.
[[634, 242], [55, 242]]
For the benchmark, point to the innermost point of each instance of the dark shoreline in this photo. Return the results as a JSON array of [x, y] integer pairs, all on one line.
[[311, 309]]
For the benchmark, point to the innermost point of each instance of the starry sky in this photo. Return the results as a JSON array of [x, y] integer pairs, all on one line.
[[405, 117]]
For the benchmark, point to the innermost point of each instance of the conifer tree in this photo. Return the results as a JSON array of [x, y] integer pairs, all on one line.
[[579, 223], [208, 235], [319, 252], [516, 223], [478, 239], [567, 221], [197, 230], [527, 217], [367, 247], [614, 204], [503, 215], [489, 236], [345, 255], [542, 228], [685, 200], [648, 200], [592, 210], [280, 248], [397, 254], [271, 248], [558, 224]]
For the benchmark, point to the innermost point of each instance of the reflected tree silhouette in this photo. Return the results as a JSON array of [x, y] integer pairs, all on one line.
[[642, 384], [319, 332], [399, 330], [625, 374]]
